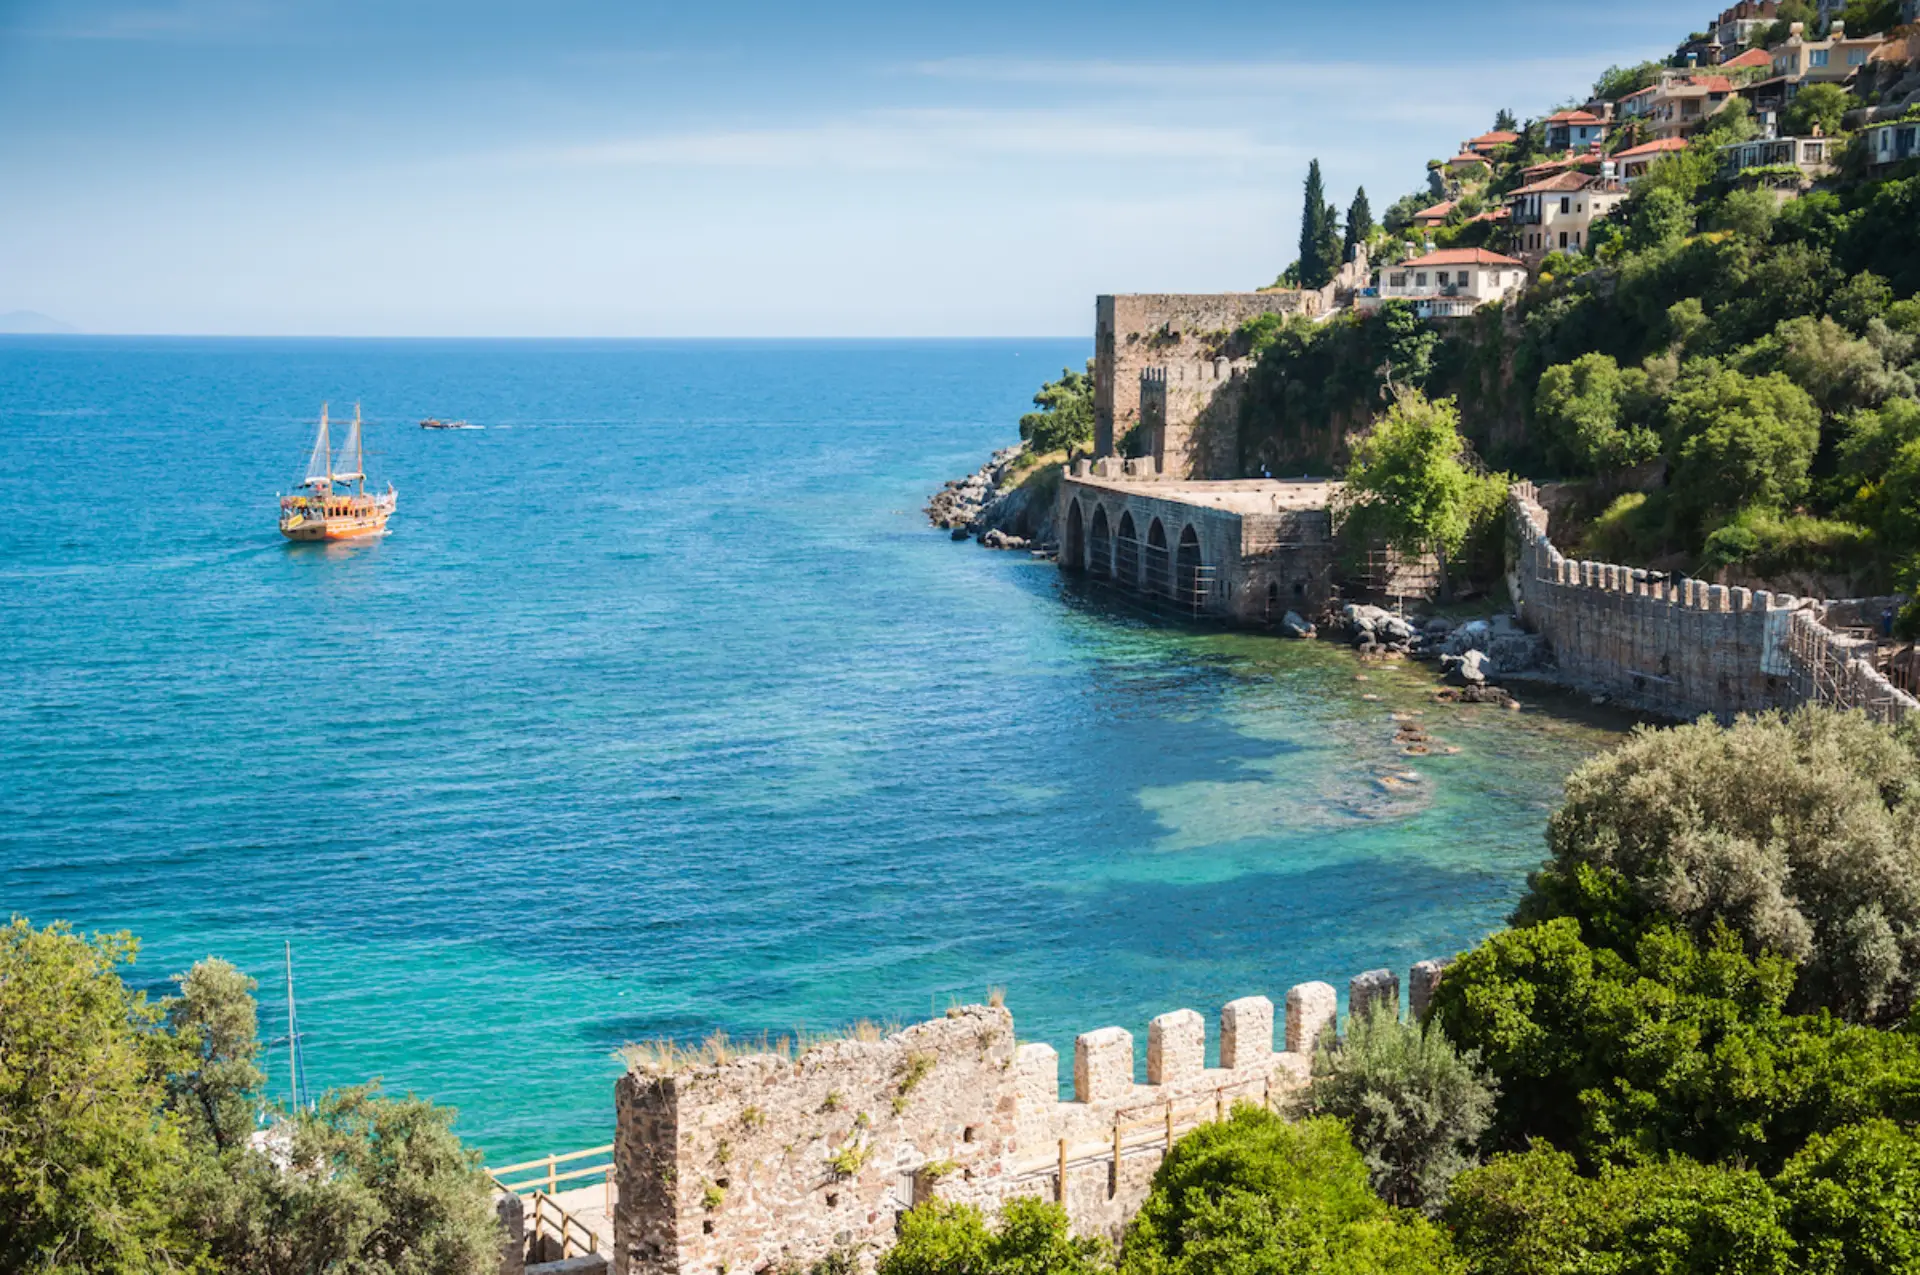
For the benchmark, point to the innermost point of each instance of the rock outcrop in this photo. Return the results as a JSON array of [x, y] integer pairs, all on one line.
[[990, 506]]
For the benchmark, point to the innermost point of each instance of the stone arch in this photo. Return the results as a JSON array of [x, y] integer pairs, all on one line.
[[1126, 551], [1158, 576], [1100, 544], [1074, 552], [1189, 570]]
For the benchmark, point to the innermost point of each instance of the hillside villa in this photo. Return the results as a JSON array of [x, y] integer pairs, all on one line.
[[1891, 143], [1812, 156], [1558, 213], [1574, 130], [1448, 283], [1635, 161]]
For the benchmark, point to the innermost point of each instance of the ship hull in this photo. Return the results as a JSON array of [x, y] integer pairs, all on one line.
[[308, 530]]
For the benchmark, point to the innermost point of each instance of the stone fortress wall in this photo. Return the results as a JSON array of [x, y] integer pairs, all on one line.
[[1244, 550], [766, 1161], [1177, 338], [1681, 648], [1160, 363]]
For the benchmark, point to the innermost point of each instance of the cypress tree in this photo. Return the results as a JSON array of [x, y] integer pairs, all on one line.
[[1359, 221], [1504, 122], [1315, 269]]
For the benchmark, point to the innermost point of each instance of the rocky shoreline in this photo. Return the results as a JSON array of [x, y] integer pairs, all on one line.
[[988, 505]]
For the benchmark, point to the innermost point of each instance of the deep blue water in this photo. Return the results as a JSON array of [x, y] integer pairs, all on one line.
[[661, 710]]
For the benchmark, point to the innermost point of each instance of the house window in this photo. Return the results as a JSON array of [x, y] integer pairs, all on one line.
[[1563, 239], [1566, 204], [1818, 57], [1397, 280], [1857, 57], [1441, 278], [1419, 278]]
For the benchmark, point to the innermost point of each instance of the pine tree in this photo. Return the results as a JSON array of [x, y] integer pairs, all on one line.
[[1315, 267], [1504, 122], [1359, 222]]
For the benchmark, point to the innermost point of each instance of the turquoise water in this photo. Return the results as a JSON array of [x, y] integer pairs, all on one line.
[[661, 710]]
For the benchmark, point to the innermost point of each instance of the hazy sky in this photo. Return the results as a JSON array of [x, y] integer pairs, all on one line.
[[572, 167]]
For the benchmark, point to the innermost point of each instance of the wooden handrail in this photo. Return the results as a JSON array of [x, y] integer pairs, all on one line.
[[565, 1225], [558, 1158]]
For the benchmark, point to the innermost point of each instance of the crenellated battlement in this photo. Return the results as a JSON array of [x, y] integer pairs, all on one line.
[[735, 1163], [1685, 647]]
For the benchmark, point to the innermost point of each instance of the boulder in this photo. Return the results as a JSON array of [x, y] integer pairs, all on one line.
[[1469, 669], [1516, 652], [1471, 636], [1295, 626]]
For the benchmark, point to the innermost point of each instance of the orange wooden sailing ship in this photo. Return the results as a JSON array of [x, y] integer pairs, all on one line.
[[333, 502]]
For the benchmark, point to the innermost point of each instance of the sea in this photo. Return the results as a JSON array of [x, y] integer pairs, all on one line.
[[662, 711]]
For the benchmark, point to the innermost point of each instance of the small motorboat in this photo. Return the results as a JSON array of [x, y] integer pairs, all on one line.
[[434, 422]]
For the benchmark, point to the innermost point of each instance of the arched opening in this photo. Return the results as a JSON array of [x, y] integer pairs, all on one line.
[[1100, 544], [1126, 553], [1190, 577], [1074, 551], [1273, 600], [1158, 578]]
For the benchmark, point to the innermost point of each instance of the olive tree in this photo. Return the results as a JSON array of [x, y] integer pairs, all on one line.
[[1416, 1107], [1799, 832]]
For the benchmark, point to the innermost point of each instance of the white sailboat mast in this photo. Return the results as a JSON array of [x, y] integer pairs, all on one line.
[[352, 464]]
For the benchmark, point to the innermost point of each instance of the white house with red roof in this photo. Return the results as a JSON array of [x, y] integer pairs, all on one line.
[[1448, 283], [1557, 214], [1488, 143]]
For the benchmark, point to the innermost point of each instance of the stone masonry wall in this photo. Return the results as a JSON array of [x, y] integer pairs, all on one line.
[[767, 1161], [1181, 333], [1257, 562], [1682, 648]]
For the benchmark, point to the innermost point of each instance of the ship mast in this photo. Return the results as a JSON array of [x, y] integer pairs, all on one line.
[[320, 463], [352, 455], [293, 1035]]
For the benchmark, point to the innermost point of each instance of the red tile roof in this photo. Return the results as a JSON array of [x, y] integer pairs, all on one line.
[[1556, 184], [1467, 157], [1462, 257], [1751, 58], [1498, 137], [1660, 147], [1501, 213], [1573, 117], [1438, 212]]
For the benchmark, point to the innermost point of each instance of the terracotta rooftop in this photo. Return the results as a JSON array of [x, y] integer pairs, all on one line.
[[1573, 117], [1498, 137], [1653, 148], [1751, 58], [1556, 184], [1463, 257], [1437, 212], [1502, 213], [1468, 157]]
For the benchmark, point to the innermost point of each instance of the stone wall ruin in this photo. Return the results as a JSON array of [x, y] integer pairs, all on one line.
[[767, 1161]]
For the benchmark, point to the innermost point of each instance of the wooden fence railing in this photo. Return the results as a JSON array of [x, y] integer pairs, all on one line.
[[1166, 1120]]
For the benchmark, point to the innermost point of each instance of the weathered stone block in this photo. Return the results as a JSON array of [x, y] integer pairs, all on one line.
[[1102, 1065], [1373, 988], [1311, 1010], [1176, 1047], [1246, 1032], [1422, 981]]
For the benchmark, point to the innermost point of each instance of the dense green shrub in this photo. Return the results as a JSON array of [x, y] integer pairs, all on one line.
[[1416, 1107], [90, 1159], [1532, 1213], [1596, 416], [1741, 442], [1799, 832], [1065, 418], [1854, 1200], [1257, 1193], [1032, 1238], [1667, 1047]]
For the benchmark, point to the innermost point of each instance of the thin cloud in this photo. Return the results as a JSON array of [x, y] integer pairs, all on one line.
[[926, 140]]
